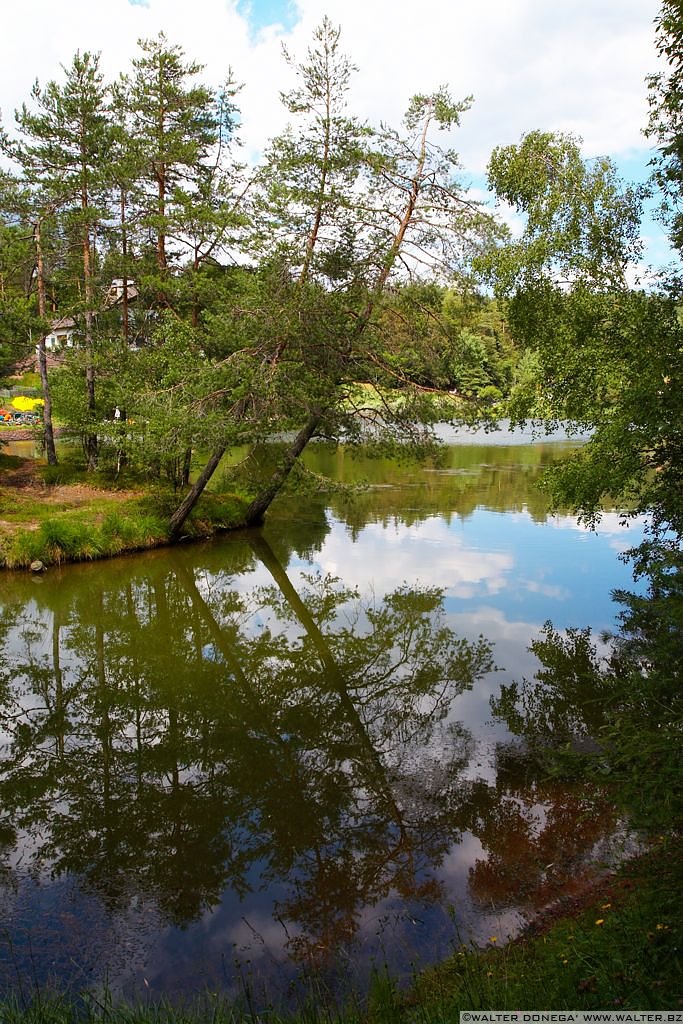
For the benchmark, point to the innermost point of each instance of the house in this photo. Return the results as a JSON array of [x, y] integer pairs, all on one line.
[[61, 334], [62, 331], [114, 296]]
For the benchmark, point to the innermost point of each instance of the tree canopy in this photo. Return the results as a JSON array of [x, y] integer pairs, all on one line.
[[599, 354], [219, 304]]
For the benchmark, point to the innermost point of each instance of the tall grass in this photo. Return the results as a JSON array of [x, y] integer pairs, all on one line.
[[83, 534]]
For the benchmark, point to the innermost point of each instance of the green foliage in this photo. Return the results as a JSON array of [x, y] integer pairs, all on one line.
[[608, 362], [601, 356], [621, 952], [446, 112], [625, 704], [490, 394], [306, 207], [582, 224], [344, 233], [443, 339], [665, 125], [62, 153], [17, 306], [177, 164], [148, 191]]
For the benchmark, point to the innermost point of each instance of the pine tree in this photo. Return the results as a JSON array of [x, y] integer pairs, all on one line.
[[343, 212], [63, 149], [18, 304], [176, 122]]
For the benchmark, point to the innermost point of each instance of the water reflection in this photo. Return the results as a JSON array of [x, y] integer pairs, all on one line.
[[267, 753]]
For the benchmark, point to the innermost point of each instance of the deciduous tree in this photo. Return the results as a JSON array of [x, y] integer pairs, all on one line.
[[602, 356]]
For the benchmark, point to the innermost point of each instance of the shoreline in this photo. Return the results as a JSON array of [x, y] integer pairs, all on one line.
[[60, 521], [614, 948], [27, 433]]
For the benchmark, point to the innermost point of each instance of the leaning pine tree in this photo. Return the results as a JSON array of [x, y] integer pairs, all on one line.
[[342, 212]]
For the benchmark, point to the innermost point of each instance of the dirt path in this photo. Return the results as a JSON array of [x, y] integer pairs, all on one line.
[[26, 479], [24, 475]]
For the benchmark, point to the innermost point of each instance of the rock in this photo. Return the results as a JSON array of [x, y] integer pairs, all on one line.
[[37, 566]]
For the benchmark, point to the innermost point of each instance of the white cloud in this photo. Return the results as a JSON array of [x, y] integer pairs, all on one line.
[[611, 524], [389, 559], [578, 66]]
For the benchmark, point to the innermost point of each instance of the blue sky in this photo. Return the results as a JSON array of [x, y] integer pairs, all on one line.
[[259, 13], [262, 13], [576, 67]]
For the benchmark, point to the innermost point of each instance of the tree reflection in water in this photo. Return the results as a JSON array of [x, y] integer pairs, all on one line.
[[170, 735]]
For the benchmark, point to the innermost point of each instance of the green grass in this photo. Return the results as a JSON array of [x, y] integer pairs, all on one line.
[[29, 379], [98, 523], [64, 473], [621, 952], [81, 535]]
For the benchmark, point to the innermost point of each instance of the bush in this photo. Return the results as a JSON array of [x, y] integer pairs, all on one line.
[[490, 394]]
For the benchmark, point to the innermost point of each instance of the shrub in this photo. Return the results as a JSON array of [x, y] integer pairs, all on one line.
[[69, 540]]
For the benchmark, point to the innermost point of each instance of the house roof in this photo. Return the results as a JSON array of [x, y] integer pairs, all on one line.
[[64, 324], [115, 293], [113, 298]]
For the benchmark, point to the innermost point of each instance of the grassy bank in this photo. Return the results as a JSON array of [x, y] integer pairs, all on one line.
[[619, 949], [58, 514]]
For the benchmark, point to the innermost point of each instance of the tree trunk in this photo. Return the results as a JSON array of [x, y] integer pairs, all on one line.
[[162, 263], [261, 503], [190, 500], [259, 506], [49, 434], [162, 259], [195, 296], [50, 449], [60, 712], [334, 678], [124, 257], [90, 441]]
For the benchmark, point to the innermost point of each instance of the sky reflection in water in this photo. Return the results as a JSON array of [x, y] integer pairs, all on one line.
[[277, 750]]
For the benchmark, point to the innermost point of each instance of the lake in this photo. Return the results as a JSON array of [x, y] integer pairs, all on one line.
[[228, 764]]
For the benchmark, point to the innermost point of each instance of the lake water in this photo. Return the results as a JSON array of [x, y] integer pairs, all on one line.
[[229, 763]]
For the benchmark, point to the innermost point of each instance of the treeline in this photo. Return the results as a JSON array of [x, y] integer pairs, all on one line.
[[129, 217], [217, 304]]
